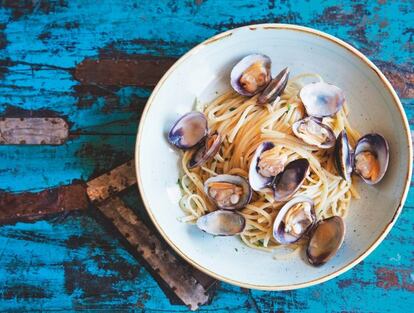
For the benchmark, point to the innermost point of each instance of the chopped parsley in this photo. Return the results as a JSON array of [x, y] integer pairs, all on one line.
[[179, 183], [289, 107], [232, 109]]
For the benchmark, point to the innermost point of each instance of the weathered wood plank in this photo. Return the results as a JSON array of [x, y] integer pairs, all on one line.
[[76, 265], [114, 181], [30, 206], [141, 71]]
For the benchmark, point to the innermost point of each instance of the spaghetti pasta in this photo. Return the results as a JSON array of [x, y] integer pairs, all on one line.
[[244, 125]]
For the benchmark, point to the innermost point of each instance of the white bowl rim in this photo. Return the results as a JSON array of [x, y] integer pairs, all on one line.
[[340, 43]]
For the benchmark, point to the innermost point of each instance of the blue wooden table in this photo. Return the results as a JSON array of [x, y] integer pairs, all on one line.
[[72, 262]]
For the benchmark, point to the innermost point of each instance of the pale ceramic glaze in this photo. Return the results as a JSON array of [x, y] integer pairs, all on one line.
[[205, 70]]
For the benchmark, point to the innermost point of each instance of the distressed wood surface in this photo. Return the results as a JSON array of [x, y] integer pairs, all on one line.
[[48, 67]]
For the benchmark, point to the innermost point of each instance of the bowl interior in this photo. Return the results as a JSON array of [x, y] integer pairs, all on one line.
[[203, 73]]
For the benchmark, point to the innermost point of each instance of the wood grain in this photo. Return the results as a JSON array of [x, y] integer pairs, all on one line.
[[74, 264], [31, 206], [140, 71]]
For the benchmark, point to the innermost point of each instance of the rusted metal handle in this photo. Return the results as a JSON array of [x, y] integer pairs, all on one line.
[[33, 131], [174, 272]]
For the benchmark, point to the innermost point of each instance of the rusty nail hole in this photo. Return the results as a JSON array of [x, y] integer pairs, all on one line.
[[126, 235], [42, 142], [22, 142], [22, 119]]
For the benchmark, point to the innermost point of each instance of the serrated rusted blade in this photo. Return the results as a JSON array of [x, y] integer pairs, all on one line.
[[177, 274], [33, 131]]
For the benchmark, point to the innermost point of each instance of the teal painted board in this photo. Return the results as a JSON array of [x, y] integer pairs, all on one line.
[[72, 262]]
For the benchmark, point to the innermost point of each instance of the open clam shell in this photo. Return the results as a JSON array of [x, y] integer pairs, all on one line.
[[325, 240], [294, 220], [275, 88], [206, 151], [371, 158], [228, 192], [251, 74], [257, 181], [222, 223], [343, 156], [322, 99], [314, 132], [189, 130], [289, 181]]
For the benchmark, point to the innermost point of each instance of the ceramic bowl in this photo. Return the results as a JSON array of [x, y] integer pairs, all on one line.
[[202, 73]]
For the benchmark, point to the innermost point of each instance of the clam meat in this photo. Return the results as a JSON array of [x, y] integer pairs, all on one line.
[[371, 158], [266, 163], [251, 74], [294, 220], [314, 132], [228, 192]]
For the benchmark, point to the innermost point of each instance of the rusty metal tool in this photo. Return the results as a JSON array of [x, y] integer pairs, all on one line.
[[33, 131], [189, 285]]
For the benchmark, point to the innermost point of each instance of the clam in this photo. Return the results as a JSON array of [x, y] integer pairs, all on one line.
[[314, 132], [275, 88], [289, 181], [228, 192], [325, 240], [371, 158], [264, 166], [189, 130], [206, 151], [251, 74], [222, 223], [343, 156], [294, 220], [321, 99]]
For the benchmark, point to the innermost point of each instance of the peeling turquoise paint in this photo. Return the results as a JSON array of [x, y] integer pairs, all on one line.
[[74, 263]]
